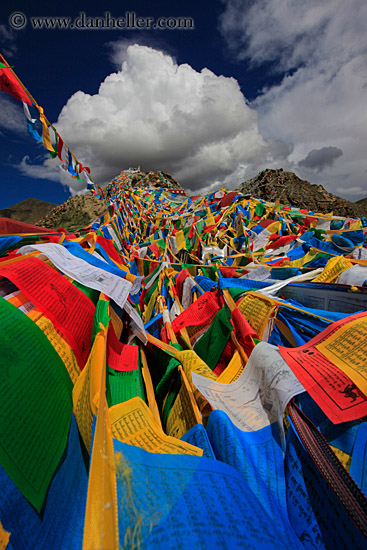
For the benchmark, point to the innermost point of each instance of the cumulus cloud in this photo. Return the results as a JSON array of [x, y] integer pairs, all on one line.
[[200, 128], [163, 116], [290, 33], [352, 191], [11, 115], [319, 48], [319, 159], [7, 40], [42, 166], [118, 49], [46, 169]]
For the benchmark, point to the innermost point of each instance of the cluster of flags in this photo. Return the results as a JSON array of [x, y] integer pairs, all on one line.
[[10, 83], [184, 372]]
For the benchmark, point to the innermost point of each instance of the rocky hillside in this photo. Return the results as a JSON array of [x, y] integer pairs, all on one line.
[[292, 191], [362, 203], [28, 211], [76, 212], [158, 179], [269, 185], [81, 210]]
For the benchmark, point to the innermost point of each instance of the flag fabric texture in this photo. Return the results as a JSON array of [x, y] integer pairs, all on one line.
[[182, 372]]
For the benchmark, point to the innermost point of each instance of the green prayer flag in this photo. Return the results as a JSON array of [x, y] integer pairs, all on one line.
[[92, 294], [173, 390], [161, 243], [150, 291], [148, 277], [36, 398], [210, 346], [200, 226], [100, 316], [164, 384], [124, 385], [259, 210]]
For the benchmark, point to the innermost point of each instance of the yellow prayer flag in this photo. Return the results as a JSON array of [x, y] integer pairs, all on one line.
[[152, 403], [209, 221], [65, 352], [192, 362], [4, 537], [133, 423], [45, 133], [86, 390], [149, 309], [355, 226], [257, 310], [346, 348], [274, 227], [334, 267], [101, 514], [233, 369], [180, 240], [116, 321], [185, 413]]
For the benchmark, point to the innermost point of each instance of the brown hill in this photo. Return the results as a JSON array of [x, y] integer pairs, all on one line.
[[363, 203], [269, 185], [158, 179], [76, 212], [81, 210], [29, 210], [292, 191]]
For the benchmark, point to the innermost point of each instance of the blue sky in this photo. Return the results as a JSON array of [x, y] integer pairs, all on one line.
[[254, 84]]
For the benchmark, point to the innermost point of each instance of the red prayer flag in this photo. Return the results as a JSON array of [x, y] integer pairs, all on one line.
[[71, 311], [121, 357], [280, 241], [245, 334], [334, 392], [10, 84]]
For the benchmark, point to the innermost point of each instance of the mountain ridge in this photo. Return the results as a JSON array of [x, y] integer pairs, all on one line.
[[269, 185], [272, 184], [28, 211]]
